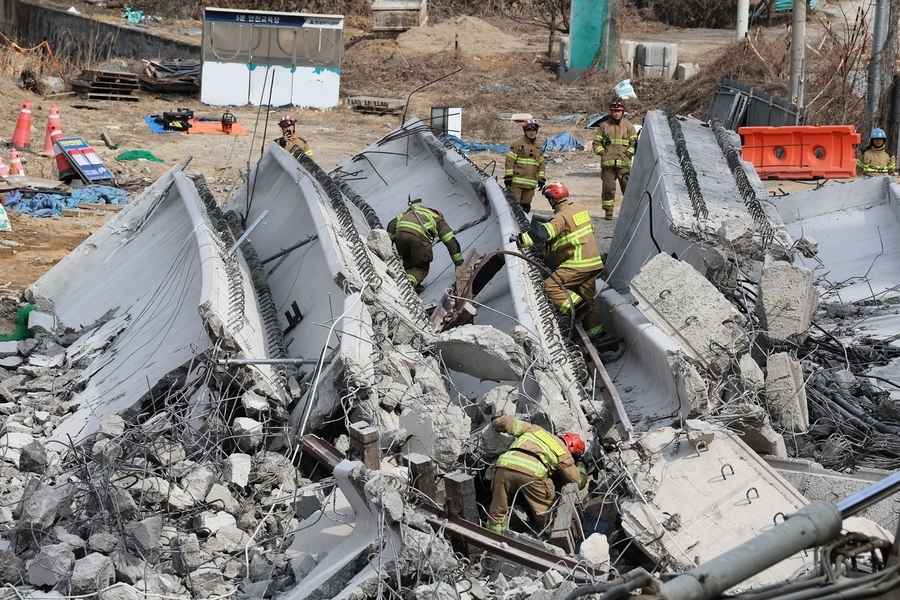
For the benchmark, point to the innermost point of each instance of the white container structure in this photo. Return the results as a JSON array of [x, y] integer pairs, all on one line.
[[271, 58]]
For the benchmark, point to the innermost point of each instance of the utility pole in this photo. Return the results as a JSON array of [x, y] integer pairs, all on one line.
[[798, 52], [743, 19], [879, 39]]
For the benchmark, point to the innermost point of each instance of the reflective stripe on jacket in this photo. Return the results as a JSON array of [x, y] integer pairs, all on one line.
[[571, 237], [615, 143], [524, 163], [536, 451], [876, 161], [430, 225]]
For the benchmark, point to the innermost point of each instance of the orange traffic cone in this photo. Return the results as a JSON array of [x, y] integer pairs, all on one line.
[[53, 124], [4, 168], [22, 135], [15, 163], [63, 167]]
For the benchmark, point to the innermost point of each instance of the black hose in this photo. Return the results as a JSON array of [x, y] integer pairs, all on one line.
[[612, 590]]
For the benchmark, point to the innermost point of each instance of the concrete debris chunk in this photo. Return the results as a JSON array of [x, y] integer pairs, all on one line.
[[379, 242], [786, 392], [248, 433], [436, 591], [787, 299], [41, 322], [207, 583], [437, 431], [237, 469], [161, 584], [168, 453], [433, 549], [40, 505], [751, 374], [12, 568], [198, 482], [384, 491], [595, 550], [254, 404], [51, 566], [152, 490], [145, 535], [92, 573], [687, 307], [103, 542], [11, 362], [208, 522], [301, 564], [221, 499], [129, 569], [187, 555], [227, 539], [34, 458], [482, 351]]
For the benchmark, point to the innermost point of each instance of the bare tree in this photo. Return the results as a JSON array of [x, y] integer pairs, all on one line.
[[552, 15]]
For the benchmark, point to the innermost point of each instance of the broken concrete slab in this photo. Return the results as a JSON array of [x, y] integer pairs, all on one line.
[[687, 307], [248, 433], [751, 374], [237, 469], [681, 517], [483, 352], [787, 299], [786, 392]]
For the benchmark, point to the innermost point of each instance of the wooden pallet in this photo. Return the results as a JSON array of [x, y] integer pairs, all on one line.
[[105, 96], [107, 85]]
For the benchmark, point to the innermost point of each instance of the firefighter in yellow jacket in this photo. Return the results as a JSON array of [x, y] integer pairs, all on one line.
[[524, 170], [290, 140], [414, 232], [573, 249], [615, 143], [526, 470], [876, 160]]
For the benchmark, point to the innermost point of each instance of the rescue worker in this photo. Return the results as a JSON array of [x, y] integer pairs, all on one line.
[[524, 170], [615, 143], [527, 468], [289, 139], [569, 236], [876, 160], [414, 232]]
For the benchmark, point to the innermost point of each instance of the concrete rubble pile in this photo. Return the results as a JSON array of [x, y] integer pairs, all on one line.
[[252, 401]]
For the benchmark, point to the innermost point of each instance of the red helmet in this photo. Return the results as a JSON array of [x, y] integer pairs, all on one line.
[[555, 192], [530, 125], [574, 443], [616, 105]]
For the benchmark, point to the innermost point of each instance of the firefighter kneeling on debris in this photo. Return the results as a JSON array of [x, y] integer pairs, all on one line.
[[526, 470], [414, 232], [573, 249], [289, 139], [876, 160]]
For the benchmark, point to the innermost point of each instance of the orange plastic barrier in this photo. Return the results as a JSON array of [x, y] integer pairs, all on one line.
[[801, 152]]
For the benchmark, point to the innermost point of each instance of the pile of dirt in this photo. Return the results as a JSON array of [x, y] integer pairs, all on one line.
[[470, 35]]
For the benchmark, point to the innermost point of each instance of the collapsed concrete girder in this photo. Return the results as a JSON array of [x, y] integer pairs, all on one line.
[[411, 163], [162, 270], [686, 198]]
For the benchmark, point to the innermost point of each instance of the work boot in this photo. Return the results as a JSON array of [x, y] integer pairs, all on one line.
[[609, 213]]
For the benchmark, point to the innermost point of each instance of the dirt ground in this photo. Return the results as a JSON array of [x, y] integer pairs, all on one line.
[[502, 72]]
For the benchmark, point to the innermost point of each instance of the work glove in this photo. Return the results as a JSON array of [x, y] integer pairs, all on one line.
[[542, 182], [524, 241], [507, 181]]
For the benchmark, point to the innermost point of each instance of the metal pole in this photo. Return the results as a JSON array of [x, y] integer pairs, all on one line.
[[743, 19], [798, 51], [812, 525], [879, 38], [267, 361]]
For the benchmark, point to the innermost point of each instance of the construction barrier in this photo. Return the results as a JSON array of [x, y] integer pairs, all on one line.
[[801, 152]]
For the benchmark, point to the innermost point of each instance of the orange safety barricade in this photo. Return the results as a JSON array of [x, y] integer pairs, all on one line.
[[801, 152]]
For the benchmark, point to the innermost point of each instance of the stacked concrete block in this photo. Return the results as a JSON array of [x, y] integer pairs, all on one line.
[[786, 392], [787, 299]]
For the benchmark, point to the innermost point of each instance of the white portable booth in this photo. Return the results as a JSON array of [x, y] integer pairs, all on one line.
[[272, 58]]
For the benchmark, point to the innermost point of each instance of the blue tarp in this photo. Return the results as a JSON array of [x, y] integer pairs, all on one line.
[[49, 205], [562, 142], [154, 125], [467, 146]]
